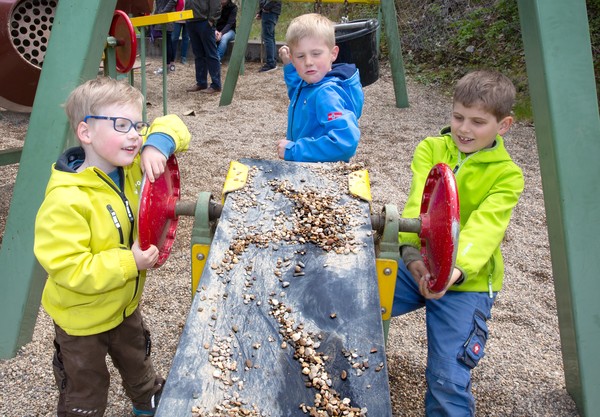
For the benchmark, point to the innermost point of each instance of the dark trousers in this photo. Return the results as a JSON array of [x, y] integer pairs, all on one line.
[[81, 373], [204, 45], [269, 20], [170, 48]]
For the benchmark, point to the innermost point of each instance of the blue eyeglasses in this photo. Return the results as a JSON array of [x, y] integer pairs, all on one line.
[[121, 124]]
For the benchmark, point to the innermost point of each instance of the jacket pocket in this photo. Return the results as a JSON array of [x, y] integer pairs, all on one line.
[[474, 346]]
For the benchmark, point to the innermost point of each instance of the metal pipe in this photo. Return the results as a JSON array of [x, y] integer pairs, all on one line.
[[378, 222]]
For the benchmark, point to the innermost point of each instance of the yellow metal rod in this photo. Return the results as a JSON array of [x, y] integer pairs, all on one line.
[[157, 19]]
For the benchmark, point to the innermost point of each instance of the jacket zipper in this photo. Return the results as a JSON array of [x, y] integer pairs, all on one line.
[[294, 111], [461, 161], [130, 217], [116, 221]]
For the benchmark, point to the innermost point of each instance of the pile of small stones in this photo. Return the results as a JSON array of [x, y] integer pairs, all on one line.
[[327, 401], [318, 218]]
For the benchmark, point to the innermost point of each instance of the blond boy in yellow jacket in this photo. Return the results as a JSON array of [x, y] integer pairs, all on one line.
[[86, 240]]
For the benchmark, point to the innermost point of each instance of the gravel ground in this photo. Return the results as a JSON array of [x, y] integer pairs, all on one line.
[[522, 372]]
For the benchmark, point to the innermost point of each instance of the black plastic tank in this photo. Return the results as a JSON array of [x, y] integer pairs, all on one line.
[[357, 41]]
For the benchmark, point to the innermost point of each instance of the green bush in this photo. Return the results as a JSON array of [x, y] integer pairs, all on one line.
[[444, 39]]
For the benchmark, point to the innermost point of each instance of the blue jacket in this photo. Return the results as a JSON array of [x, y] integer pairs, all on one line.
[[323, 117]]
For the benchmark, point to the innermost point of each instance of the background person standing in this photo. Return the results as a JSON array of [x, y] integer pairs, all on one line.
[[179, 30], [166, 6], [201, 30], [269, 14]]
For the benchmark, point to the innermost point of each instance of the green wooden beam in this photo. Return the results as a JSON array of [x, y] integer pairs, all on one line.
[[390, 26], [563, 92], [10, 156], [75, 48], [238, 54]]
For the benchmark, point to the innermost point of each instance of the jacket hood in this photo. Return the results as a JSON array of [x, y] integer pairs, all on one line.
[[348, 78], [64, 173], [342, 71]]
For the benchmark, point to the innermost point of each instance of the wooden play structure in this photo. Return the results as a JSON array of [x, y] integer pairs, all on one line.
[[562, 88]]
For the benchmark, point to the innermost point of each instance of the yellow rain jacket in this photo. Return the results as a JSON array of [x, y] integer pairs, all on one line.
[[84, 230]]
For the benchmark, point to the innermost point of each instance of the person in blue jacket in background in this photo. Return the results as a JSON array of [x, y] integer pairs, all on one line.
[[326, 99]]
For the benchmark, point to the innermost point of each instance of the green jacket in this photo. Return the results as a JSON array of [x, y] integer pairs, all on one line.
[[83, 236], [489, 185]]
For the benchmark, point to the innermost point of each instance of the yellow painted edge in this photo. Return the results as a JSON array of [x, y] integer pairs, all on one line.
[[236, 178], [199, 257], [387, 285], [157, 19], [359, 185]]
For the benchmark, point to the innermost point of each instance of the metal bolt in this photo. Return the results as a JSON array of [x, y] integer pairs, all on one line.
[[200, 256], [387, 271]]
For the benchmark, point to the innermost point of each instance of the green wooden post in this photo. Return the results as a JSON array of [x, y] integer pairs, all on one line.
[[143, 70], [390, 26], [238, 54], [75, 48], [10, 156], [163, 44], [110, 58], [563, 93]]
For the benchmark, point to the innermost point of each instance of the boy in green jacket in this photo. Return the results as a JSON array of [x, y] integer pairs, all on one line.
[[86, 240], [489, 184]]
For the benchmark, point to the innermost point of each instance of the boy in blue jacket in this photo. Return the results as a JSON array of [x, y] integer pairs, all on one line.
[[489, 184], [326, 100]]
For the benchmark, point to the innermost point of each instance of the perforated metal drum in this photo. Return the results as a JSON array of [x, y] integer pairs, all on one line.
[[30, 25], [25, 27]]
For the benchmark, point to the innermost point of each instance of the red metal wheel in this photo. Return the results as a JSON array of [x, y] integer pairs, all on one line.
[[440, 225], [157, 221], [121, 29]]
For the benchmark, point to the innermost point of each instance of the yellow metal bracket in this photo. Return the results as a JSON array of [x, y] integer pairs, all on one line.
[[359, 185], [199, 257], [202, 235], [236, 178], [388, 256], [386, 277]]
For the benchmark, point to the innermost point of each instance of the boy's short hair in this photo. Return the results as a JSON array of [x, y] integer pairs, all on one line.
[[310, 24], [490, 88], [93, 95]]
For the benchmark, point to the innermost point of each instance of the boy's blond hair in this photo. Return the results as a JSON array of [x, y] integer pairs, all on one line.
[[490, 88], [310, 24], [92, 96]]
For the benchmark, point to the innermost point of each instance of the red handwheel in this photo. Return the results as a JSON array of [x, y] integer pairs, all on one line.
[[440, 225], [122, 30], [157, 221]]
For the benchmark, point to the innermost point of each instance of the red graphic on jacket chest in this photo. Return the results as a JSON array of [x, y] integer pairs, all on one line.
[[334, 115]]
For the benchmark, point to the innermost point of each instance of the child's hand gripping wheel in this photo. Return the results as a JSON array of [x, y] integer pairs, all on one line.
[[440, 225], [157, 218]]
